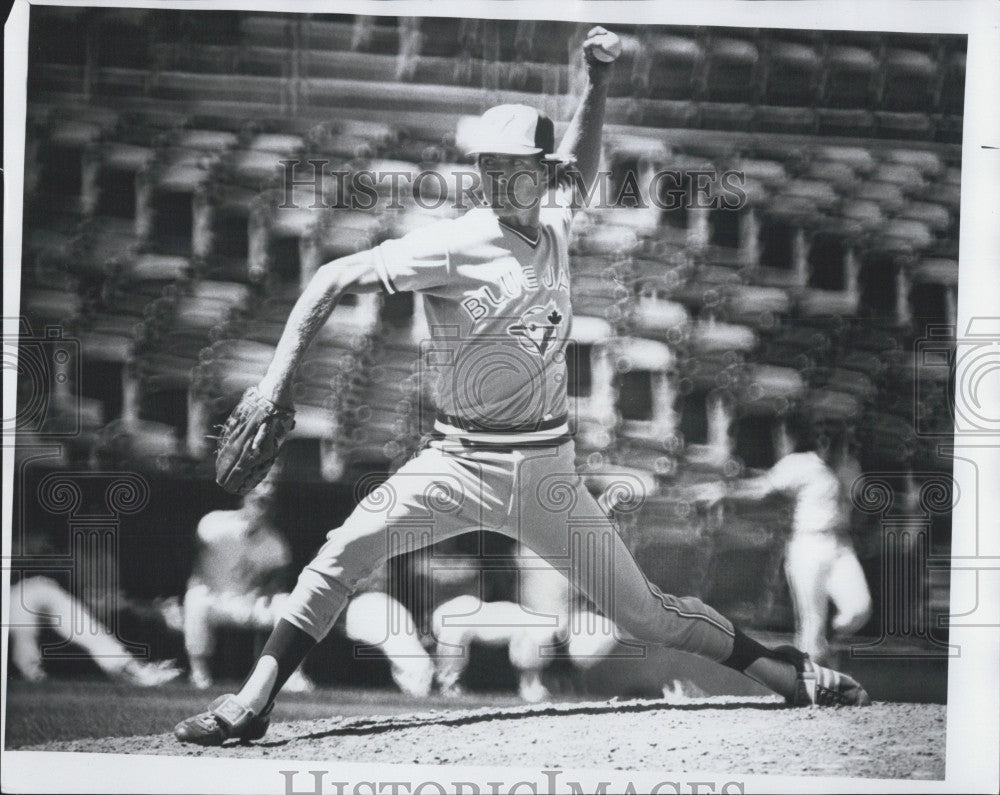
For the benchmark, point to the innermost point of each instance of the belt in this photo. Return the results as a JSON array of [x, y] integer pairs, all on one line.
[[461, 429]]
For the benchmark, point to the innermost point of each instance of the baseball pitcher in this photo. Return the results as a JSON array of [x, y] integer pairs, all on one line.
[[496, 293]]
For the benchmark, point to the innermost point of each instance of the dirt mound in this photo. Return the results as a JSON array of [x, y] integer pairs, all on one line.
[[751, 736]]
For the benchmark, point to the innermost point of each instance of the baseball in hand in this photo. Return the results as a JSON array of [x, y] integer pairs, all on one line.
[[602, 45]]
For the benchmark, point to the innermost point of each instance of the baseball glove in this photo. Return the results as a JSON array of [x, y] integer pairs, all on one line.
[[250, 440]]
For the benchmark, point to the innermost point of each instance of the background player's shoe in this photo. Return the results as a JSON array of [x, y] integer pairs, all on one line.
[[143, 674], [821, 686], [298, 682], [200, 679], [225, 719]]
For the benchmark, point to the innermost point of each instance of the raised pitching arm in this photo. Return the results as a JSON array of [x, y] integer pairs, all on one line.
[[582, 140]]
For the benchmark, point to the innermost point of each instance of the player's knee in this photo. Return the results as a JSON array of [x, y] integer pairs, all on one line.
[[315, 603], [852, 617]]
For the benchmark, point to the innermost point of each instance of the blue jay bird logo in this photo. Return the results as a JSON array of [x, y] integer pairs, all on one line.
[[537, 328]]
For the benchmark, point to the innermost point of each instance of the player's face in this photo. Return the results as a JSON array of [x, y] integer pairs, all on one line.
[[512, 183]]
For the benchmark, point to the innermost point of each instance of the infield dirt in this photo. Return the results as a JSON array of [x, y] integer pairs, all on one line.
[[748, 735]]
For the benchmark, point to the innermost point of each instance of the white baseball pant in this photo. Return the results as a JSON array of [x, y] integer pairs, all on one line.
[[532, 494]]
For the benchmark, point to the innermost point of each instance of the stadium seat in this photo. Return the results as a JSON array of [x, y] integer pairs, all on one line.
[[866, 214], [910, 80], [731, 69], [780, 119], [662, 113], [656, 317], [904, 236], [904, 126], [844, 381], [61, 158], [670, 66], [348, 140], [166, 187], [850, 77], [278, 228], [952, 96], [647, 391], [109, 177], [794, 347], [883, 282], [725, 115], [591, 377], [759, 308], [124, 443], [221, 58], [333, 32], [831, 404], [857, 157], [928, 163], [769, 172], [839, 175], [219, 235], [710, 337], [828, 303], [51, 307], [934, 292], [934, 216], [781, 243], [48, 251], [907, 178], [948, 190], [792, 73], [768, 390], [844, 122], [886, 195], [173, 333]]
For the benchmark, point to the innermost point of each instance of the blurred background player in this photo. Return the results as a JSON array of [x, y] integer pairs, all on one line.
[[237, 579], [820, 562], [38, 603], [547, 621], [375, 618]]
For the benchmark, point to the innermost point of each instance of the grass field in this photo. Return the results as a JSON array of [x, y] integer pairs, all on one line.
[[751, 735], [71, 709]]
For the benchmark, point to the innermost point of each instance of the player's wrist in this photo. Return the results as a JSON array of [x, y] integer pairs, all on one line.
[[276, 391], [599, 72]]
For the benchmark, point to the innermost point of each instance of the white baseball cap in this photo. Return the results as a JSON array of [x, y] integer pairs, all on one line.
[[511, 130]]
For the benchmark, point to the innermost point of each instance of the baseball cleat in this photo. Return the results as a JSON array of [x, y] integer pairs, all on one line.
[[820, 686], [225, 719], [148, 674]]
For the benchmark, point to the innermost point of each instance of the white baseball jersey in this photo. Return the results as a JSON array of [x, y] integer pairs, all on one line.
[[820, 501], [498, 307], [234, 556]]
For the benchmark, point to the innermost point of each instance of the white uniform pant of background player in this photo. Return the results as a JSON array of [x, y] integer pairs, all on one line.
[[368, 620], [531, 640], [375, 618], [40, 602], [820, 568], [532, 494]]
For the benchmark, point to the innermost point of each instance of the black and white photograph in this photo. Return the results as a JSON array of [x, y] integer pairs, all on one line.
[[498, 397]]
